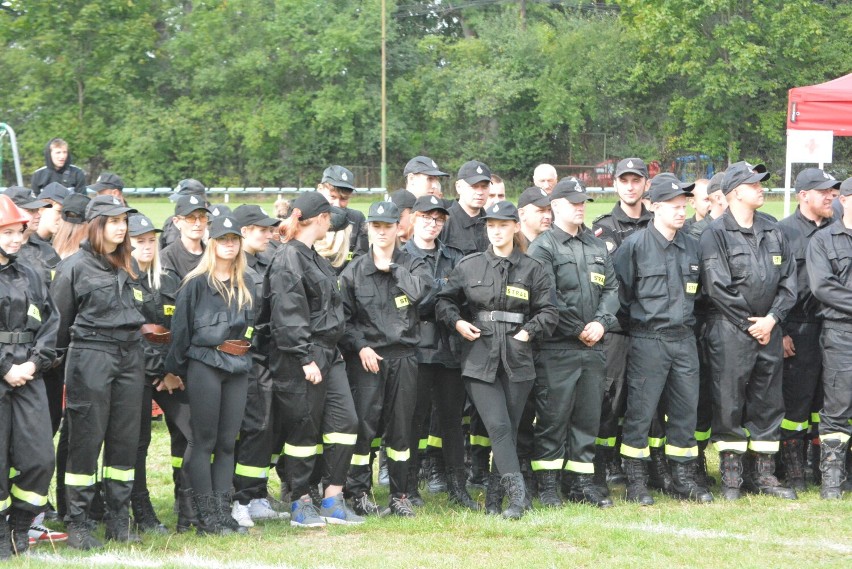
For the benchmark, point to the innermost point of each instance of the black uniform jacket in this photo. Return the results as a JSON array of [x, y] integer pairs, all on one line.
[[581, 271], [464, 232], [747, 272], [25, 306], [381, 307], [798, 230], [829, 259], [203, 319], [305, 311], [177, 259], [658, 280], [478, 285], [40, 255], [438, 344], [158, 306], [69, 175], [358, 241], [614, 227], [96, 302]]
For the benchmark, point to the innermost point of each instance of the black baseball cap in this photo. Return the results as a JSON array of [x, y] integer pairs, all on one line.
[[502, 210], [189, 203], [310, 204], [715, 184], [139, 224], [815, 179], [56, 192], [430, 203], [189, 187], [631, 166], [570, 189], [74, 208], [254, 215], [386, 212], [107, 181], [403, 199], [217, 210], [535, 196], [24, 198], [474, 172], [666, 186], [106, 206], [224, 225], [846, 187], [339, 177], [422, 165], [740, 173]]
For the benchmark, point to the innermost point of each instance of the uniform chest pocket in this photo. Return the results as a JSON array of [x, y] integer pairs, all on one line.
[[565, 270], [98, 296], [595, 264], [740, 261], [841, 263], [651, 281], [480, 292], [775, 259], [366, 294], [690, 277], [211, 329]]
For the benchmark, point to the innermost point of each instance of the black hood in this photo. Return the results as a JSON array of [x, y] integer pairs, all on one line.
[[49, 163]]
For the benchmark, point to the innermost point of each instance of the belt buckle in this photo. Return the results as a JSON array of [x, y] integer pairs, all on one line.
[[491, 315], [219, 348]]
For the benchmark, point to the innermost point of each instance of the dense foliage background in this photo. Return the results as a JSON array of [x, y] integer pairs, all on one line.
[[268, 92]]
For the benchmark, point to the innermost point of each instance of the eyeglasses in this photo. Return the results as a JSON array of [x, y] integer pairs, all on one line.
[[429, 220], [193, 219]]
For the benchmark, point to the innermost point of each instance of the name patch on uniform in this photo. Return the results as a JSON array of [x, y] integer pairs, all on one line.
[[598, 279], [349, 255], [599, 260], [249, 333], [401, 301], [776, 259], [168, 309], [33, 312], [137, 294], [691, 288], [52, 275], [517, 292], [693, 268]]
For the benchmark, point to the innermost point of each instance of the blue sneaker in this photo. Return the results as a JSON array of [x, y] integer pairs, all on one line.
[[304, 514], [335, 511]]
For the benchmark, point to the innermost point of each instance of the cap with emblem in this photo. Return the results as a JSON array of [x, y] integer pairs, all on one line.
[[740, 173], [224, 225], [106, 206], [74, 208], [570, 189], [502, 210], [430, 203], [189, 187], [534, 196], [666, 186], [24, 198], [386, 212], [474, 172], [56, 192], [187, 204], [631, 166], [422, 165], [715, 183], [339, 177], [217, 210], [815, 179], [254, 215], [310, 204], [107, 181], [139, 224], [846, 187], [403, 199]]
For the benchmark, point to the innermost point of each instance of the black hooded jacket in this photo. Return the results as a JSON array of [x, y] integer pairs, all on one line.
[[69, 175]]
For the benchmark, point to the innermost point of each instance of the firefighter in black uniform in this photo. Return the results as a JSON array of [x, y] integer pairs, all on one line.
[[99, 305], [28, 327], [658, 276], [749, 274], [829, 261], [570, 364], [338, 184], [58, 168], [35, 251], [311, 390], [628, 215], [381, 291], [185, 188], [500, 301], [801, 328]]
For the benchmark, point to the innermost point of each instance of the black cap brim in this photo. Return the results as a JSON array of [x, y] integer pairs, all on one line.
[[429, 172], [143, 231], [99, 187], [382, 219], [471, 180], [826, 185], [35, 204], [640, 173]]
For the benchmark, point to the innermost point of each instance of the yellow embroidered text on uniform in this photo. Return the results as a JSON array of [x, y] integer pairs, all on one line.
[[33, 312], [776, 259], [691, 288], [598, 279], [168, 309], [401, 301], [517, 292], [249, 333], [137, 294]]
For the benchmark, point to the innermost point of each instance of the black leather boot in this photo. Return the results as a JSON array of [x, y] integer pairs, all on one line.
[[731, 469], [144, 515], [513, 484], [833, 467], [187, 517], [207, 511], [599, 478], [457, 492], [583, 490], [659, 475], [762, 479], [701, 475], [614, 471], [548, 493], [637, 481], [685, 484], [223, 509], [494, 495], [117, 527], [793, 457]]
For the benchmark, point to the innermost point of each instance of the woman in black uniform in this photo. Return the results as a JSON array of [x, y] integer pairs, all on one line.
[[212, 327], [99, 302], [500, 301]]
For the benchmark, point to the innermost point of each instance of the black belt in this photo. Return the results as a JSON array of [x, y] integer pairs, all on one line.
[[16, 337], [501, 316]]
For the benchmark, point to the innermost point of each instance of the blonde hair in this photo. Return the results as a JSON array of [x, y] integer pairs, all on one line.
[[155, 268], [237, 288]]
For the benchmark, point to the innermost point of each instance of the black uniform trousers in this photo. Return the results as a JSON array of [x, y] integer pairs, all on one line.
[[501, 404], [54, 387], [388, 397], [176, 409], [26, 443], [104, 385], [704, 418], [321, 425], [254, 448], [568, 390], [836, 381], [801, 379], [615, 347], [662, 366], [748, 405], [445, 396]]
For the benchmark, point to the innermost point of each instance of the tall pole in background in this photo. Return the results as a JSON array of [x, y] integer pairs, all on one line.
[[384, 103]]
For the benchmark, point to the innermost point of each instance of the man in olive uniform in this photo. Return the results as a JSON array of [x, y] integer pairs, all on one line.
[[570, 363], [748, 272]]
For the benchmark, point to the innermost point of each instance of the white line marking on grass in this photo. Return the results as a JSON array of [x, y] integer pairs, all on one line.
[[149, 561]]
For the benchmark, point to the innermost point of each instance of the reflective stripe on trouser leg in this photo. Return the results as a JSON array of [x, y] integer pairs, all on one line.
[[836, 383], [302, 411], [800, 378], [257, 437], [615, 391], [339, 425]]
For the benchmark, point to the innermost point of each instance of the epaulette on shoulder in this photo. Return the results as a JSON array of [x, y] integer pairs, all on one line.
[[602, 216], [471, 256]]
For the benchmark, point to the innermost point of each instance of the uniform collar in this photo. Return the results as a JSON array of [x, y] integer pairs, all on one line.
[[456, 212], [809, 223], [838, 227], [584, 234], [621, 216], [678, 240], [514, 258]]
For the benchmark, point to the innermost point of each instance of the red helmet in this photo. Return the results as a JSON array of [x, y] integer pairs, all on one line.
[[10, 213]]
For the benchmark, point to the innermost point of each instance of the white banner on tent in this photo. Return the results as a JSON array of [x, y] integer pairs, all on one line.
[[810, 146]]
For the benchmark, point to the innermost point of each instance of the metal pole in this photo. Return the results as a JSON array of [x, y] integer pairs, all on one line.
[[384, 101], [17, 159]]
